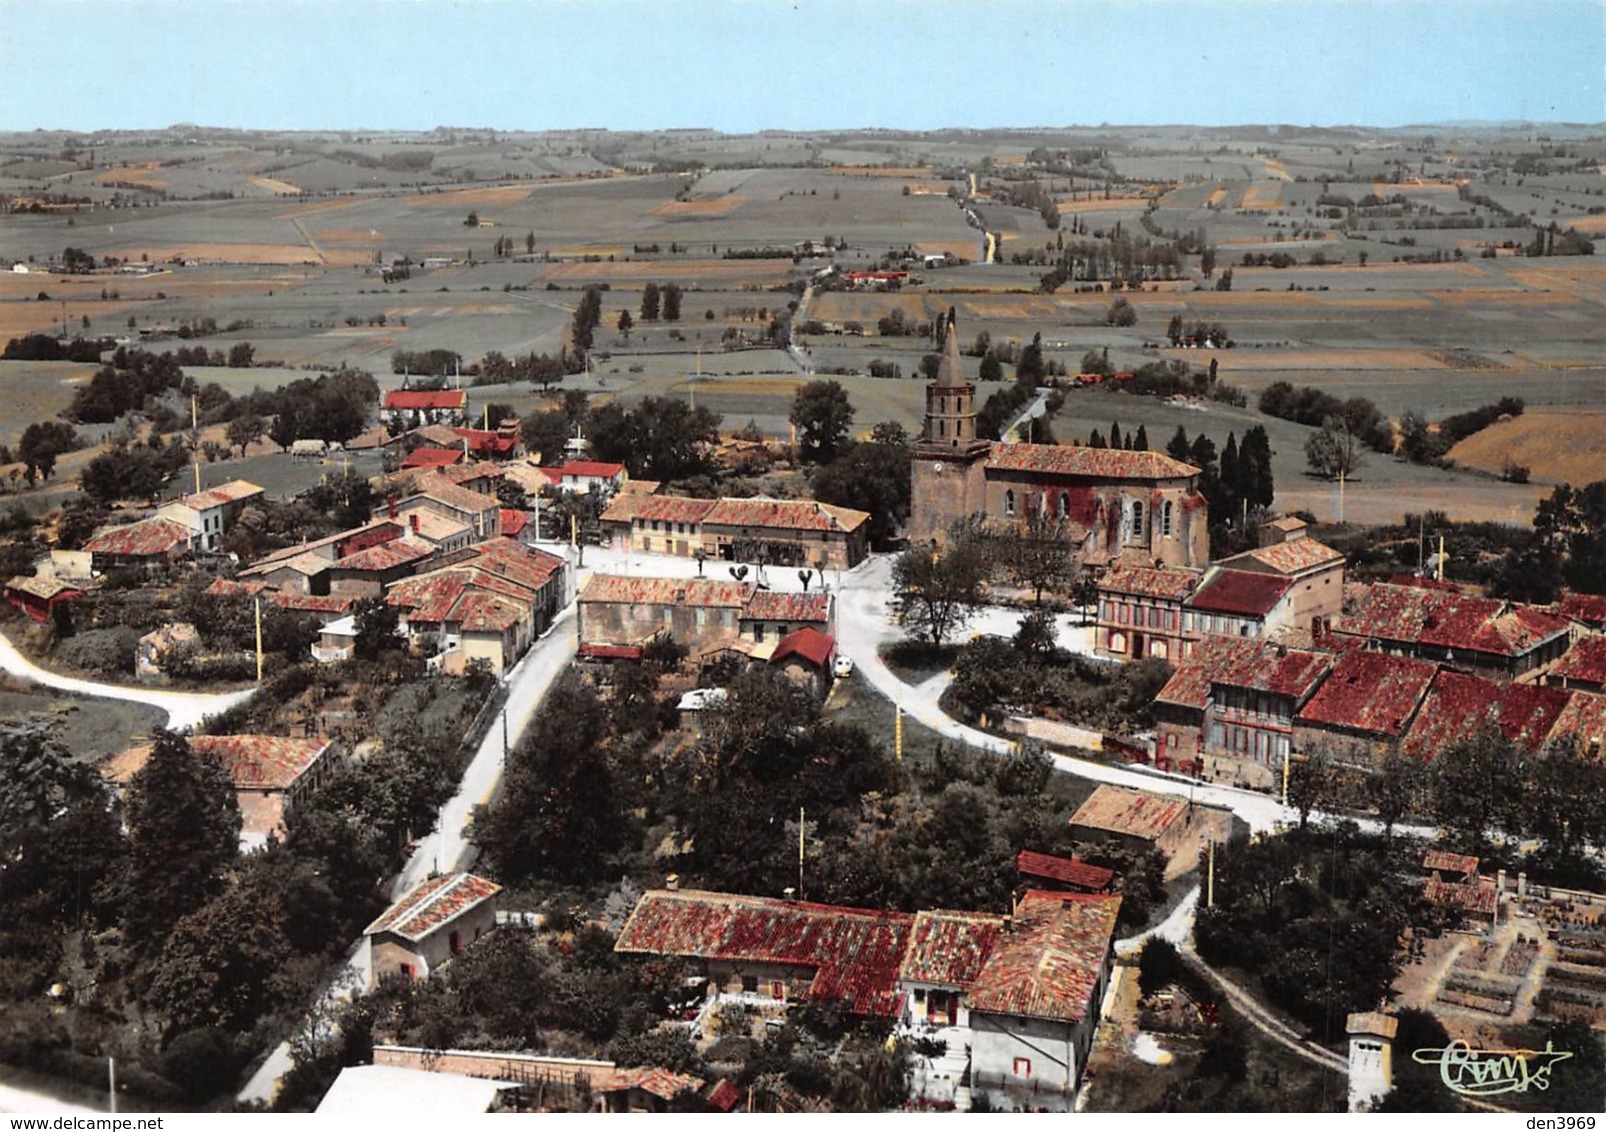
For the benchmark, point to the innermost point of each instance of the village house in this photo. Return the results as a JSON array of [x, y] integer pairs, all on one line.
[[944, 957], [1502, 640], [1141, 611], [1133, 819], [425, 457], [588, 477], [1141, 508], [456, 497], [39, 595], [1044, 871], [706, 615], [1458, 706], [367, 572], [271, 775], [1583, 666], [1228, 710], [488, 603], [151, 651], [302, 569], [209, 514], [149, 544], [1034, 1006], [430, 926], [777, 532], [1364, 707], [804, 657], [409, 408]]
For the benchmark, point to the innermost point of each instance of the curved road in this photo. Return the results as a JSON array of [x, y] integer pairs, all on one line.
[[184, 709]]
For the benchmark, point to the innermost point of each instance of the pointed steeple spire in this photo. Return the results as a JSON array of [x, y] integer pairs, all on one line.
[[950, 374]]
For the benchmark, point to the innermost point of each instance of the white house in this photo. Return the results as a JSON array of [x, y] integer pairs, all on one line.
[[209, 514]]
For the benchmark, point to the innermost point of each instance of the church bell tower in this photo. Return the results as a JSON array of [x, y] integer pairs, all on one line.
[[947, 480]]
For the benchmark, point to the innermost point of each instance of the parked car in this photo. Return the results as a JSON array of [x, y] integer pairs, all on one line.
[[843, 667]]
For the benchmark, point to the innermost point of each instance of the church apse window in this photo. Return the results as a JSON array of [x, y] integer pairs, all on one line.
[[1137, 519], [1165, 518]]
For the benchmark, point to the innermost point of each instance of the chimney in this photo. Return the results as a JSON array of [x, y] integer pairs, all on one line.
[[1009, 924], [787, 893], [672, 882], [390, 505], [413, 522]]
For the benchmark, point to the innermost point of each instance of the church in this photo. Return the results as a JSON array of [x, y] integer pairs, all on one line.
[[1139, 508]]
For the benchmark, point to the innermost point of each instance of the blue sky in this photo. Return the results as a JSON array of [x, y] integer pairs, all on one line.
[[741, 65]]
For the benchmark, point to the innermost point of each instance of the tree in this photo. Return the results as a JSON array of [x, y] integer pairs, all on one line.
[[671, 303], [938, 592], [823, 417], [1476, 787], [662, 438], [244, 431], [1040, 554], [241, 355], [649, 303], [559, 819], [1395, 789], [1177, 448], [286, 427], [873, 477], [41, 443], [1333, 451], [377, 624], [625, 323], [991, 369], [1030, 370], [183, 835], [1310, 783]]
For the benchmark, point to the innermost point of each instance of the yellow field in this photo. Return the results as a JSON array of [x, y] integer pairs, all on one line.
[[1098, 204], [348, 236], [1276, 168], [142, 174], [1567, 445], [310, 209], [927, 188], [1215, 198], [719, 206], [877, 171], [274, 185], [1257, 195], [469, 198], [1248, 360]]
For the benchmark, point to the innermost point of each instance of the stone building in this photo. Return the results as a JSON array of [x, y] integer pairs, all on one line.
[[1142, 508]]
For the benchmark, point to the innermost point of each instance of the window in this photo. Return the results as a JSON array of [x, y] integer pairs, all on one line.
[[1165, 519], [1009, 502], [1064, 507], [1107, 610], [1117, 642], [1137, 519], [750, 984], [778, 991], [455, 943], [1171, 740], [942, 428], [758, 631], [1154, 617], [1023, 1067], [1157, 648], [1122, 613]]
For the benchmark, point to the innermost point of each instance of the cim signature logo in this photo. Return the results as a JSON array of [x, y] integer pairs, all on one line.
[[1490, 1072]]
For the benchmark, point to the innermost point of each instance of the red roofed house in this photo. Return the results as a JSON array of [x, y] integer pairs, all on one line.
[[1485, 636], [1229, 708], [209, 514], [38, 595], [1066, 871], [945, 955], [1142, 508], [502, 443], [588, 476], [707, 615], [426, 457], [1141, 611], [149, 543], [1315, 576], [777, 950], [430, 926], [1034, 1006], [271, 774], [1588, 610], [1133, 819], [780, 532], [409, 408], [1458, 706], [1582, 666], [1365, 706], [804, 656]]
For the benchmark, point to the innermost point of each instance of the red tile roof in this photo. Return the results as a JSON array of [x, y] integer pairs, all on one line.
[[690, 592], [1584, 663], [1092, 463], [43, 589], [1189, 685], [1050, 963], [949, 948], [656, 508], [597, 469], [785, 514], [1066, 870], [1588, 608], [725, 1096], [386, 556], [774, 605], [1133, 813], [854, 952], [1456, 707], [146, 539], [514, 522], [420, 399], [1241, 592], [1166, 582], [1477, 897], [223, 494], [809, 643], [433, 457], [434, 903], [435, 486], [313, 603], [1450, 621], [464, 474], [487, 613], [1290, 558], [1371, 692], [488, 442], [1440, 861], [1584, 721], [261, 762], [659, 1082], [610, 652]]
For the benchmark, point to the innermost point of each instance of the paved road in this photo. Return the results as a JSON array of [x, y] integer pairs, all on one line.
[[13, 1099], [184, 709]]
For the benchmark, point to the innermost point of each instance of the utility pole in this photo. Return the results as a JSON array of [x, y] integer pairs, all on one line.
[[800, 834], [1210, 884], [897, 732], [195, 453], [259, 640]]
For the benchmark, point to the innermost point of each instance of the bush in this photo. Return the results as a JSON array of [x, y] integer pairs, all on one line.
[[107, 652]]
